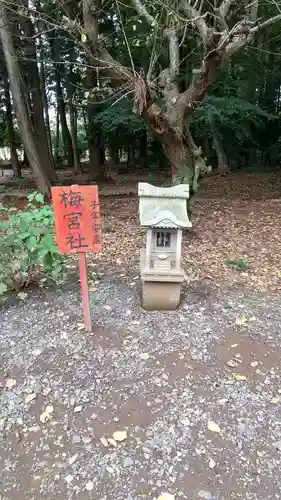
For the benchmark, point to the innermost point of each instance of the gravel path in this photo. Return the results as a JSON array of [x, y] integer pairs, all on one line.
[[197, 391]]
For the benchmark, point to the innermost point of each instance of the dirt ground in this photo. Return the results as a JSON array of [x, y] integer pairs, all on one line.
[[195, 394], [236, 218], [198, 392]]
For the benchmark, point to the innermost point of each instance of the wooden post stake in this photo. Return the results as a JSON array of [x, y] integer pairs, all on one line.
[[85, 291]]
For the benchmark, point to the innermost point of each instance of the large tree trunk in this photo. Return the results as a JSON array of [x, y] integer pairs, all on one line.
[[11, 132], [223, 167], [21, 109], [34, 84], [184, 156]]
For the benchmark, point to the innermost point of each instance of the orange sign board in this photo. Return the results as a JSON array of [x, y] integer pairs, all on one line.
[[77, 218]]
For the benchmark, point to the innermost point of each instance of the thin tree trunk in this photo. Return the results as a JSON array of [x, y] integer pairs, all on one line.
[[21, 109], [220, 152], [25, 160], [85, 121], [44, 98], [96, 169], [55, 46], [143, 149], [66, 137], [102, 150], [57, 143], [116, 156], [72, 113], [73, 129], [11, 132]]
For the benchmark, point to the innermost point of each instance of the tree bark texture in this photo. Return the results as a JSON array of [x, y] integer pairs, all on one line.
[[218, 146], [21, 108], [10, 126], [35, 90], [59, 70], [96, 168], [72, 113]]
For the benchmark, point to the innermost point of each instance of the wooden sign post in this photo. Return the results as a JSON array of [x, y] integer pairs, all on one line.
[[78, 230]]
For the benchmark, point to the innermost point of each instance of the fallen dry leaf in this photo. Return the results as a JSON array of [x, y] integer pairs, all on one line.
[[104, 441], [46, 391], [44, 417], [47, 414], [212, 463], [22, 295], [120, 436], [144, 356], [275, 401], [36, 352], [222, 401], [277, 445], [10, 383], [89, 486], [213, 427], [166, 496], [112, 442], [241, 320], [73, 459], [231, 363], [239, 378], [77, 409], [30, 397], [69, 478], [254, 364]]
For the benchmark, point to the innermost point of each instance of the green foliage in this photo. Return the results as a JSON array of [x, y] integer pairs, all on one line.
[[28, 251], [233, 115], [240, 125], [119, 124], [239, 264]]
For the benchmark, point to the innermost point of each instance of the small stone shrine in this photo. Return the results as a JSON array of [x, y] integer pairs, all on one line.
[[163, 213]]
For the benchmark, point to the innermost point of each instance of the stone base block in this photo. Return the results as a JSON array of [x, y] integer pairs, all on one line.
[[160, 295]]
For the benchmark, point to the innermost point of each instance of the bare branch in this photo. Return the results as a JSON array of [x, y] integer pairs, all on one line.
[[99, 53], [142, 11], [266, 23], [224, 8], [202, 79], [241, 35], [252, 9], [173, 52], [197, 19]]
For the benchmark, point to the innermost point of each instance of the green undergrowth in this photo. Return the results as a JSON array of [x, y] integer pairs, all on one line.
[[28, 252]]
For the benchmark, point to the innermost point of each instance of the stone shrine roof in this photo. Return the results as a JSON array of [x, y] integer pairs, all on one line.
[[163, 207]]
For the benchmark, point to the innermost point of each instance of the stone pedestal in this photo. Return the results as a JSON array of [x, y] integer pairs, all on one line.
[[160, 295], [163, 213]]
